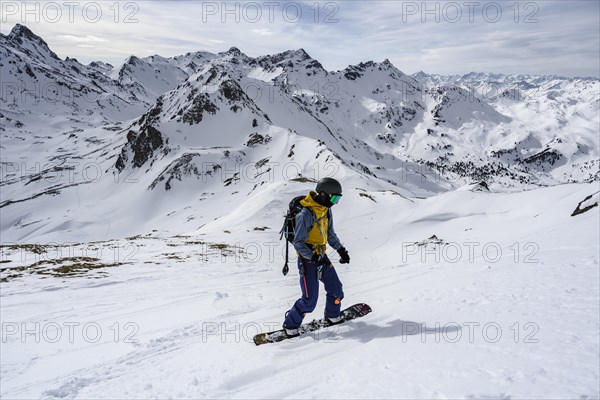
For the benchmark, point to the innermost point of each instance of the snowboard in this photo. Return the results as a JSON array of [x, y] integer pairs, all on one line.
[[350, 313]]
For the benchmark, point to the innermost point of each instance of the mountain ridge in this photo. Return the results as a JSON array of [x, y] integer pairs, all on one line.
[[181, 124]]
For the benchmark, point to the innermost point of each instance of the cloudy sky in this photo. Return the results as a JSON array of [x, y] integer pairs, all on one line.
[[445, 37]]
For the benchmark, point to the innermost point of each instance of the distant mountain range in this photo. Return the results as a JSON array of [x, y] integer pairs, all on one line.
[[183, 126]]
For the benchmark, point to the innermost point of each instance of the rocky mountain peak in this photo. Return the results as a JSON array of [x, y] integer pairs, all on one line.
[[22, 36], [133, 60], [234, 51], [21, 31], [301, 54]]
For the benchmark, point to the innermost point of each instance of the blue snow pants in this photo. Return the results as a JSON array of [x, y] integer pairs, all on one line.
[[309, 284]]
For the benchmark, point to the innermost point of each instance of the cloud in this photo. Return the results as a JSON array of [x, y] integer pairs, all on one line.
[[82, 38], [445, 37], [262, 32]]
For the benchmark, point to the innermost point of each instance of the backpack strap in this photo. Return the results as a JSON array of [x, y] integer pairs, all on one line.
[[317, 222]]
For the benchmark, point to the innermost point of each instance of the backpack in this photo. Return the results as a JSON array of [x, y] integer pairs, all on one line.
[[289, 225]]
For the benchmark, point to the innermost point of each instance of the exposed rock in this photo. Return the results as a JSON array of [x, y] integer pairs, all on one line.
[[200, 105], [256, 139], [142, 145], [587, 204]]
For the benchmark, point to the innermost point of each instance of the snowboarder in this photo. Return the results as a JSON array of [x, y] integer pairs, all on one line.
[[313, 231]]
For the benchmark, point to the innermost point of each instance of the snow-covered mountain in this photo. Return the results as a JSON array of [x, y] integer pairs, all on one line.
[[37, 84], [186, 132], [554, 125]]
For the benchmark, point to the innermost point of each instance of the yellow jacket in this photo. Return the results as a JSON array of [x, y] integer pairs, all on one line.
[[314, 227]]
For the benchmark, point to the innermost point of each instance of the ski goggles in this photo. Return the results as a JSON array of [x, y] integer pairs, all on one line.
[[335, 198]]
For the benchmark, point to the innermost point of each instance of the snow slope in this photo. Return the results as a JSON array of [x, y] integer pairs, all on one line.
[[516, 320]]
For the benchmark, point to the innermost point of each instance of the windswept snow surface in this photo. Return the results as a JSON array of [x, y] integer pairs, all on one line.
[[141, 204], [503, 304]]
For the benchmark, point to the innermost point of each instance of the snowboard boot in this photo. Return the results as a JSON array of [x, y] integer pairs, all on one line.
[[290, 332], [334, 321]]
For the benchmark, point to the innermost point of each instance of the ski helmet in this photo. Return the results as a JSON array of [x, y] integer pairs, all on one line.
[[330, 186]]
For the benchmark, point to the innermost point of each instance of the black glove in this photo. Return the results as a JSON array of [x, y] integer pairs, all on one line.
[[344, 256]]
